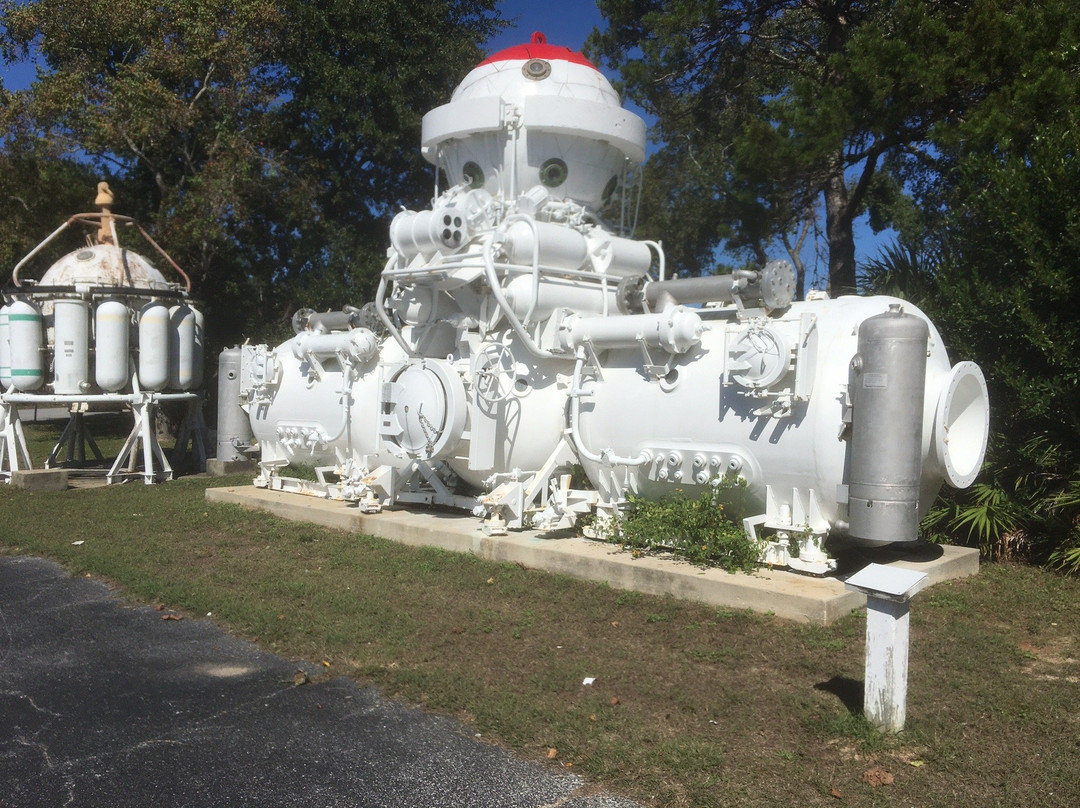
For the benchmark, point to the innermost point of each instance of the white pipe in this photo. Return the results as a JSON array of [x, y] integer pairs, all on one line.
[[500, 299], [380, 310], [127, 398], [607, 457], [655, 245]]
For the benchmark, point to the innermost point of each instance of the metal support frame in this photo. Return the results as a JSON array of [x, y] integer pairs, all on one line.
[[74, 440], [192, 433], [13, 449], [155, 465]]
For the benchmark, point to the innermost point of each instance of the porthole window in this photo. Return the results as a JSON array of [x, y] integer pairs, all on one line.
[[536, 69], [474, 175], [553, 172]]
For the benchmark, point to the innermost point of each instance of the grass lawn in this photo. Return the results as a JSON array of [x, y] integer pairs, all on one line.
[[692, 706]]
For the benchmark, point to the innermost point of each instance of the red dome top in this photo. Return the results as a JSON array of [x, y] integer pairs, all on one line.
[[538, 49]]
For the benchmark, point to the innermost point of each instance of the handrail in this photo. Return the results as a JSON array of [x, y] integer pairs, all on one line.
[[91, 218], [380, 310]]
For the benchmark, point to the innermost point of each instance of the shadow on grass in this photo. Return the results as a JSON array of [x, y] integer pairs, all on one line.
[[849, 691]]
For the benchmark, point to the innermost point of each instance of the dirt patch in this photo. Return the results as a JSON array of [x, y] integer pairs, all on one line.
[[1051, 660]]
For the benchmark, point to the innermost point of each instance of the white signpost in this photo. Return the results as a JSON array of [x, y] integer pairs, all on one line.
[[888, 593]]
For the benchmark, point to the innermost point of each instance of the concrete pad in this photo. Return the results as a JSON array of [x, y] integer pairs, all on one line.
[[220, 468], [786, 594], [40, 479]]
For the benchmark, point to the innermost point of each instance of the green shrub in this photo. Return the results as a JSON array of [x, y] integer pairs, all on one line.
[[697, 530]]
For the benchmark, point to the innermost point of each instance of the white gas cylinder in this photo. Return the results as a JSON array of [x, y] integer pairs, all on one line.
[[112, 344], [527, 242], [181, 347], [154, 346], [5, 349], [71, 348], [198, 358], [25, 337]]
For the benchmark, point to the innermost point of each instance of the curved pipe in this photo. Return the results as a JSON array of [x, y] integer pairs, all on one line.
[[607, 457], [496, 292], [15, 272], [165, 255], [380, 310]]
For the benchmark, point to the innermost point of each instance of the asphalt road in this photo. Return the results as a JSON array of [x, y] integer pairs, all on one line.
[[107, 705]]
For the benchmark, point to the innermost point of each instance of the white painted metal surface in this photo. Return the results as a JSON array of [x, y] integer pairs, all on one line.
[[26, 338], [517, 334], [182, 347], [154, 339], [112, 359], [71, 346], [5, 348], [233, 427]]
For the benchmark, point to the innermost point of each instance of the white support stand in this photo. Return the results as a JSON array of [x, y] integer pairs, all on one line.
[[12, 442], [888, 593], [155, 466]]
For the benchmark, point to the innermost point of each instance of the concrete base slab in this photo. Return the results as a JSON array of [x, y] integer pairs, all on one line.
[[219, 468], [40, 479], [783, 593]]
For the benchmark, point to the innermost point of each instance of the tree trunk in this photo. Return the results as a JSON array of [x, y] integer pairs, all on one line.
[[841, 235]]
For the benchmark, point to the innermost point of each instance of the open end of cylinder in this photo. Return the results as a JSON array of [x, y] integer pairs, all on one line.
[[962, 424]]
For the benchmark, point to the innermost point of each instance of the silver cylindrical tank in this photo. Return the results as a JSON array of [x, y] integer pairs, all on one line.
[[5, 349], [233, 426], [25, 335], [181, 347], [71, 346], [112, 346], [888, 377], [154, 346], [359, 344], [428, 232], [527, 300]]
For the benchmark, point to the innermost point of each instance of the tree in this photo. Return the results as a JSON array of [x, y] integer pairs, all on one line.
[[994, 262], [265, 142], [765, 107], [1010, 284]]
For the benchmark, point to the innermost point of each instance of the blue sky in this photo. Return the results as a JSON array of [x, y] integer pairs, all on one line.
[[563, 22]]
